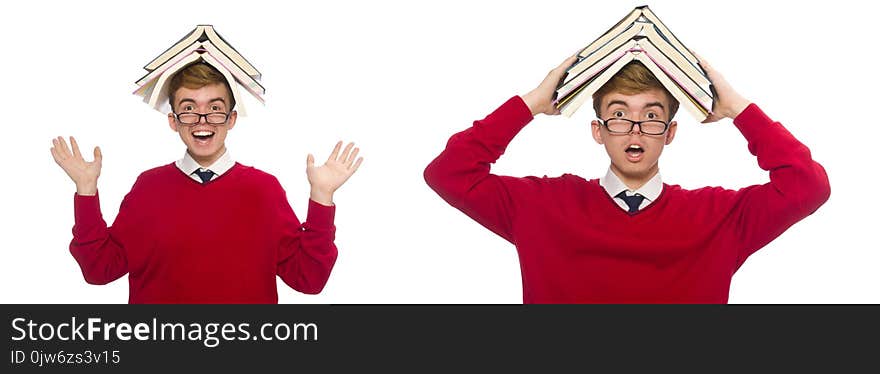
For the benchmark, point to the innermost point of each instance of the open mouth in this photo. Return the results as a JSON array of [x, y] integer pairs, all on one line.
[[634, 152], [203, 136]]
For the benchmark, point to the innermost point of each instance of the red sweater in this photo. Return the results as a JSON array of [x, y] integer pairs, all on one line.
[[181, 241], [576, 245]]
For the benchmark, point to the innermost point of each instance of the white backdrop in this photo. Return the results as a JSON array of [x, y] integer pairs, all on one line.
[[399, 78]]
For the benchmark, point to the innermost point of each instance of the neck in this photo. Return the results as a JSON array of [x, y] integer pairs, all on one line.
[[207, 160], [635, 181]]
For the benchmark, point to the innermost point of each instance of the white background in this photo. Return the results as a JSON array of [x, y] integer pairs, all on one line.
[[399, 78]]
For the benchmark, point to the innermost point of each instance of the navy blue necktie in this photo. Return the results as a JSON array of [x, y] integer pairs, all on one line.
[[633, 202], [205, 175]]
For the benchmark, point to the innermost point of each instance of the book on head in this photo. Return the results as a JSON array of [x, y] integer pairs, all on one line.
[[699, 92], [574, 100], [251, 84], [639, 36], [203, 45], [199, 34]]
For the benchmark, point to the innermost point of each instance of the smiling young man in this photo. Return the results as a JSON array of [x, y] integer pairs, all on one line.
[[205, 229], [628, 237]]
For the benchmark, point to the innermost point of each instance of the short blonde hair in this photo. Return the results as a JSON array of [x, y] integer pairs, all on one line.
[[633, 79], [195, 76]]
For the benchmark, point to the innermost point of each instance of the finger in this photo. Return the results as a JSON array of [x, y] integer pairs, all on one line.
[[345, 152], [703, 63], [65, 151], [310, 161], [714, 76], [56, 148], [700, 59], [357, 164], [335, 152], [98, 156], [351, 158], [55, 155], [75, 148], [560, 70], [568, 61], [711, 118]]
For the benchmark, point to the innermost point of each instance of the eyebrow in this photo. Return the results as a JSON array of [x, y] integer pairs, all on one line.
[[655, 104], [187, 100], [621, 102], [648, 105]]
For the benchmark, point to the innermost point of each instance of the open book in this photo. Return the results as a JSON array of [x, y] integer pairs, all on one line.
[[200, 34], [643, 37], [203, 45]]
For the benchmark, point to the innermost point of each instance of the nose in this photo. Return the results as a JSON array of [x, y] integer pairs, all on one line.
[[634, 131]]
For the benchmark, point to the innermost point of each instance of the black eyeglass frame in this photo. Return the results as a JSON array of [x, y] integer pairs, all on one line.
[[632, 125], [199, 119]]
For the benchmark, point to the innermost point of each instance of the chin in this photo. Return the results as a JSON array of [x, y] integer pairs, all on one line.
[[637, 170], [203, 153]]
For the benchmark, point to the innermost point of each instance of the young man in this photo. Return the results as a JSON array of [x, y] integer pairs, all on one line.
[[628, 237], [205, 229]]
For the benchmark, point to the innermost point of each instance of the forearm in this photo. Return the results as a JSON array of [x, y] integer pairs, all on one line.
[[311, 249], [467, 159], [797, 179], [99, 255], [798, 185], [461, 173]]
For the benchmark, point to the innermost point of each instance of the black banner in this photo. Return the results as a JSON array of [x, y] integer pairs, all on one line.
[[124, 338]]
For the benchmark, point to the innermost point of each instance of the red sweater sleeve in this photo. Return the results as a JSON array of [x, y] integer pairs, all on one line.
[[461, 173], [798, 185], [306, 251], [98, 249]]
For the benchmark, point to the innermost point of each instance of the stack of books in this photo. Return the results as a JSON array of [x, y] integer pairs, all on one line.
[[640, 36], [203, 44]]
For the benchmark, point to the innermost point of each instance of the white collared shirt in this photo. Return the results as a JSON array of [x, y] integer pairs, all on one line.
[[613, 186], [188, 166]]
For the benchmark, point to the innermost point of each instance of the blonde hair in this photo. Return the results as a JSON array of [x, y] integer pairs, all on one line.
[[633, 79], [195, 76]]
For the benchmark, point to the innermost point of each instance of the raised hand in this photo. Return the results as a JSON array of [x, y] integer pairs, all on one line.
[[728, 103], [83, 173], [327, 178], [540, 100]]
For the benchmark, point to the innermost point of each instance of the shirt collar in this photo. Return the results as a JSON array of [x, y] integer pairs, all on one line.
[[613, 186], [188, 165]]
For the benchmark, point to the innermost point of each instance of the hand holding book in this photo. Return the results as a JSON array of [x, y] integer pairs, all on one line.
[[728, 103], [540, 100]]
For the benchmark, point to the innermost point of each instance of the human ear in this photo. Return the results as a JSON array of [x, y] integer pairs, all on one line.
[[230, 122], [670, 134], [172, 122], [597, 132]]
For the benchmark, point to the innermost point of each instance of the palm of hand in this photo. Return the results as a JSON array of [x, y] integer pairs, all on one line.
[[73, 163], [335, 171], [329, 176]]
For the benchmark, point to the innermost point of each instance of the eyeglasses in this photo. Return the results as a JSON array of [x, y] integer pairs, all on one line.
[[626, 126], [215, 118]]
